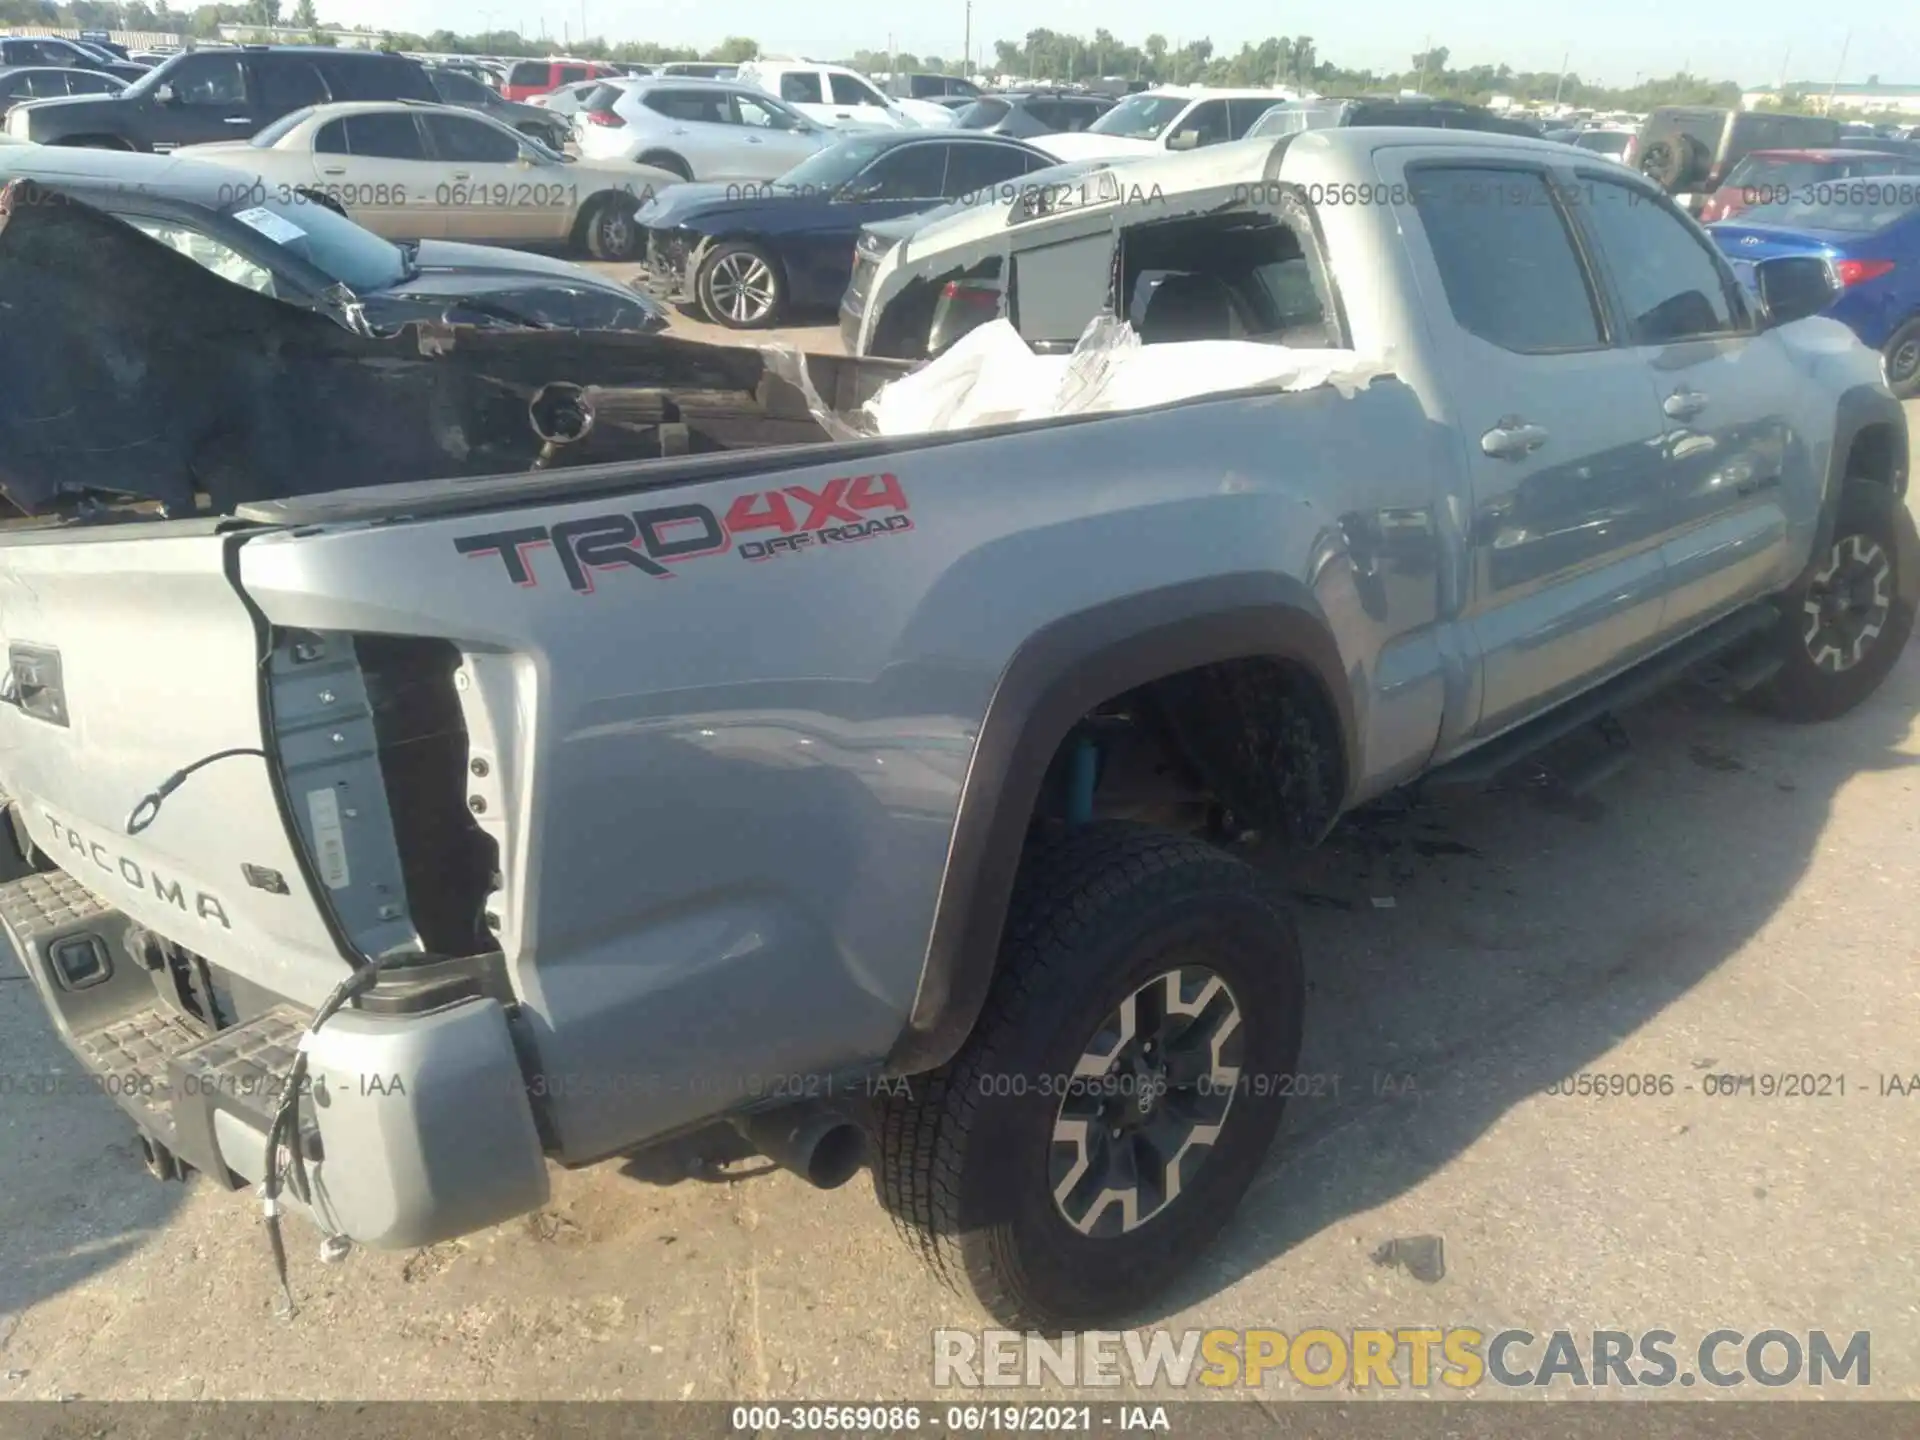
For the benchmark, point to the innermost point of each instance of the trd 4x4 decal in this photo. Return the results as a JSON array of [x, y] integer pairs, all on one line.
[[841, 511]]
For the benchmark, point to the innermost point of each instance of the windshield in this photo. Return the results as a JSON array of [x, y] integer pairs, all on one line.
[[981, 113], [1140, 117], [1855, 207], [832, 167], [1280, 120], [270, 136], [329, 242]]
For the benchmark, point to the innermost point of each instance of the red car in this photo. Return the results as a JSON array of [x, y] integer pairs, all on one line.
[[528, 78], [1769, 176]]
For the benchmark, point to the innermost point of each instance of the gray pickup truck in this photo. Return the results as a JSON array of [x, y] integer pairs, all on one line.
[[385, 846]]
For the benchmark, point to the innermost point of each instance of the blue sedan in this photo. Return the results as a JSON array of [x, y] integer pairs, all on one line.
[[746, 255], [1868, 231]]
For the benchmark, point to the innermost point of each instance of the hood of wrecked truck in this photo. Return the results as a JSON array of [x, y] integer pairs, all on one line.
[[128, 369]]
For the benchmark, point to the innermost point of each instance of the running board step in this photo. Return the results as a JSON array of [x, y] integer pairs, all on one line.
[[1503, 752]]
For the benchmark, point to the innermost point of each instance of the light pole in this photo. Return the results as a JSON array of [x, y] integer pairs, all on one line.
[[966, 44]]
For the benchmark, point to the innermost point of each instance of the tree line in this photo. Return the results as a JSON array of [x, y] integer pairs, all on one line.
[[1041, 55]]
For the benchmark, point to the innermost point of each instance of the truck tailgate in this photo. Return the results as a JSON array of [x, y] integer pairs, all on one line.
[[130, 656]]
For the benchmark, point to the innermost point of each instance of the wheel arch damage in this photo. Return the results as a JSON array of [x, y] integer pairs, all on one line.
[[1245, 674]]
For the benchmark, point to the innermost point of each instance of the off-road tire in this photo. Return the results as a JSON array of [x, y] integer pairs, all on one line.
[[962, 1162], [1671, 161], [1864, 540]]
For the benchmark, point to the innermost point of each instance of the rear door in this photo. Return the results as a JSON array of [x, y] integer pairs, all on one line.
[[287, 83], [854, 100], [213, 99], [1734, 468], [1560, 426], [376, 164]]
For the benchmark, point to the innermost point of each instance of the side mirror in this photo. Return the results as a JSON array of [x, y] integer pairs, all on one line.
[[1185, 140], [163, 94], [1792, 287]]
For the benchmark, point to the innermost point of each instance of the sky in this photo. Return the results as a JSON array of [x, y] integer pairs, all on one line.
[[1609, 41]]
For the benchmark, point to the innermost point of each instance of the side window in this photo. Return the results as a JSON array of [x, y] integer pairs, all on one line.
[[1056, 290], [331, 139], [15, 87], [458, 89], [571, 73], [289, 84], [1049, 113], [470, 142], [1506, 258], [210, 80], [749, 111], [906, 172], [1242, 113], [384, 135], [1209, 119], [973, 168], [1671, 285], [85, 82], [850, 90], [223, 260], [528, 72], [800, 87], [695, 105], [51, 52]]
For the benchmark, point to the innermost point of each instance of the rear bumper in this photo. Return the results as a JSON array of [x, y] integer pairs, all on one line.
[[418, 1127]]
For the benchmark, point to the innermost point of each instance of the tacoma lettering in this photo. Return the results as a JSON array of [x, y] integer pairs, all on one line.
[[129, 872]]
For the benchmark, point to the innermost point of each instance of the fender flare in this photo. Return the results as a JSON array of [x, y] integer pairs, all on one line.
[[1054, 678], [1860, 407]]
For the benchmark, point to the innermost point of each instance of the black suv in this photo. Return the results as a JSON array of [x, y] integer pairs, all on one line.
[[224, 94], [458, 87], [1024, 114], [1689, 150]]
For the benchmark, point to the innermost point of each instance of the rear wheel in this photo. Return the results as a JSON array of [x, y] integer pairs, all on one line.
[[1902, 358], [1118, 1093], [1844, 629], [610, 230]]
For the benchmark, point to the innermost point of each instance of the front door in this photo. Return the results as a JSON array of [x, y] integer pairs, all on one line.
[[490, 193], [211, 100]]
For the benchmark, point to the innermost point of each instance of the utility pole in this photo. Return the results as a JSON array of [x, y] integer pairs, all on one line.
[[966, 49], [1426, 55], [1563, 76], [583, 24], [1834, 89]]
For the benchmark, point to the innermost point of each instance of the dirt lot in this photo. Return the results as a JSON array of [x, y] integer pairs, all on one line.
[[1739, 899]]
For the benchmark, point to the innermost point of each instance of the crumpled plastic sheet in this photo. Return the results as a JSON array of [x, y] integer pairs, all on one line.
[[991, 376]]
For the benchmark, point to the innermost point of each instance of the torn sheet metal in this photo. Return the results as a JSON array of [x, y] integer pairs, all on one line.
[[129, 370], [991, 377]]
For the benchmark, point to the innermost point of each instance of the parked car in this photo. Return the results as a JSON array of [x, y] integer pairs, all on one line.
[[295, 246], [1608, 140], [409, 171], [942, 313], [920, 85], [1770, 175], [952, 736], [1292, 117], [1028, 114], [697, 129], [528, 78], [457, 88], [567, 100], [835, 96], [746, 256], [1688, 151], [38, 82], [1155, 121], [699, 70], [40, 50], [1867, 231], [210, 95]]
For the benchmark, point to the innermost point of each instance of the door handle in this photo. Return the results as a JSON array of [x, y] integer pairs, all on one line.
[[753, 140], [334, 170], [239, 119], [1512, 438], [1684, 404]]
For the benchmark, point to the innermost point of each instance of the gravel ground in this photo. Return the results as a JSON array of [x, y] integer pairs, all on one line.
[[1740, 898]]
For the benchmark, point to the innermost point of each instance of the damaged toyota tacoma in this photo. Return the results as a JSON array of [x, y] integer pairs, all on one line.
[[439, 756]]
